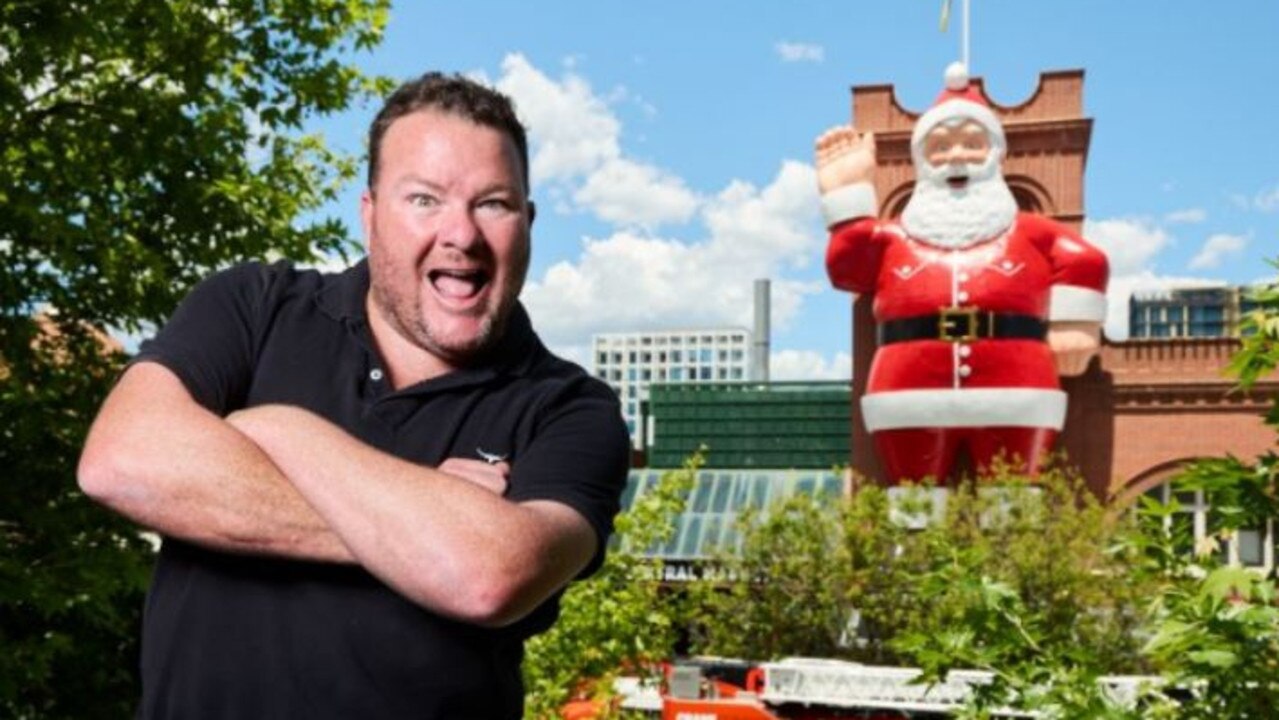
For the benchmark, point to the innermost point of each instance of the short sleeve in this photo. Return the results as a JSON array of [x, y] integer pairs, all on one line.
[[1080, 275], [210, 340], [579, 457]]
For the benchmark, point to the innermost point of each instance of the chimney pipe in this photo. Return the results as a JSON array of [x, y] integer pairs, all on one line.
[[760, 342]]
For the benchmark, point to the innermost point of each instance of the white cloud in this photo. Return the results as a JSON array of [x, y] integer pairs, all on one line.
[[1267, 200], [809, 365], [629, 193], [1186, 216], [1217, 248], [572, 130], [633, 280], [1130, 243], [576, 149], [799, 52], [636, 276]]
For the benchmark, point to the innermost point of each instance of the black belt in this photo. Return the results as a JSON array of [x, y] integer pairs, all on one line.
[[961, 324]]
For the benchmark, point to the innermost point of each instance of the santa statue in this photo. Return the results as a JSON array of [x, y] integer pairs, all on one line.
[[978, 307]]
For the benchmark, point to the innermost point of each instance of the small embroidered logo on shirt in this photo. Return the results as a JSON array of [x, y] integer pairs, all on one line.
[[490, 458]]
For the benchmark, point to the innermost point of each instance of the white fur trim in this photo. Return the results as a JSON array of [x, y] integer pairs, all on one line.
[[974, 407], [848, 202], [1071, 302], [957, 108]]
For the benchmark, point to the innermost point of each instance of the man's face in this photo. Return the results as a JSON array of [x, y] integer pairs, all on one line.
[[956, 149], [447, 229]]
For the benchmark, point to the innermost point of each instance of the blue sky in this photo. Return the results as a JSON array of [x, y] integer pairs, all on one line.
[[672, 141]]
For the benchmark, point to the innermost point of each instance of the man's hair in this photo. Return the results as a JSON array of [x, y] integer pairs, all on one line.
[[455, 95]]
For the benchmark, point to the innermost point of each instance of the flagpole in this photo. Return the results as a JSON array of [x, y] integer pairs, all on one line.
[[967, 60]]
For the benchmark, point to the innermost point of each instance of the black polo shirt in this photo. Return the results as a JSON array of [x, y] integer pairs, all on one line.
[[230, 636]]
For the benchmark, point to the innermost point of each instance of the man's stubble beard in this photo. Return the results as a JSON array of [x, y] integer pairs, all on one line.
[[940, 216], [404, 313]]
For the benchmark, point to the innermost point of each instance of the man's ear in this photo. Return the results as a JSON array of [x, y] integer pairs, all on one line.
[[532, 212]]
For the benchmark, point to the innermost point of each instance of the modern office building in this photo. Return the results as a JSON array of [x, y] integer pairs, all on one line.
[[631, 361], [1187, 312]]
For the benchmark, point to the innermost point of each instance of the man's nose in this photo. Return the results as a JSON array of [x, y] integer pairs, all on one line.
[[458, 228]]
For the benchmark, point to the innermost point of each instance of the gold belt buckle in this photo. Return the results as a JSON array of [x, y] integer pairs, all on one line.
[[949, 320]]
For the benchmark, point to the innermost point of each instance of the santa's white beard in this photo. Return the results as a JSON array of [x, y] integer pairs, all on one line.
[[941, 216]]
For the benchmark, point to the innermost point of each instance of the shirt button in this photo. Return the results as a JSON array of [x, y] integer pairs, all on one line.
[[963, 296], [965, 371], [375, 374], [965, 351], [963, 277]]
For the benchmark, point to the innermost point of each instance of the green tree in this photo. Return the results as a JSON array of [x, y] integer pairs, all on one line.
[[1218, 638], [145, 144], [786, 591], [619, 620]]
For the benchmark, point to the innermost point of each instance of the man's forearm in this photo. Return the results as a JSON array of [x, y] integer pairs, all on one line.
[[444, 542], [158, 458]]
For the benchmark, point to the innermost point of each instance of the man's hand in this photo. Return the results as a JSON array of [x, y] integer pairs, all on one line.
[[1073, 344], [490, 476], [844, 157]]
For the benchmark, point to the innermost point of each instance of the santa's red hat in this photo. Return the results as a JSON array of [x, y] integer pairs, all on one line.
[[960, 100]]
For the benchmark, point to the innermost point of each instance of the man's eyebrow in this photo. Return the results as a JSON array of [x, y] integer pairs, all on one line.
[[411, 179]]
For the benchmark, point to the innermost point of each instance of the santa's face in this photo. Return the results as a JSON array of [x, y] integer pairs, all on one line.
[[956, 148], [960, 196]]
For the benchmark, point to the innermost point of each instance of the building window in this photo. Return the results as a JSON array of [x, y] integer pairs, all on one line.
[[706, 355], [705, 374], [630, 356], [677, 356], [677, 373], [1196, 526]]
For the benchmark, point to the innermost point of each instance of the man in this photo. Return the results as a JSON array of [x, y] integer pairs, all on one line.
[[967, 289], [372, 486]]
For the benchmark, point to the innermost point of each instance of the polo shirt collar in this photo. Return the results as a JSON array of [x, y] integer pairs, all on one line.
[[516, 353]]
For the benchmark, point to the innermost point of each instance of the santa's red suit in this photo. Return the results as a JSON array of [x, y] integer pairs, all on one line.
[[990, 389]]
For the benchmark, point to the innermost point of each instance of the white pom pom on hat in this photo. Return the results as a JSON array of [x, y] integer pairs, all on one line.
[[956, 76]]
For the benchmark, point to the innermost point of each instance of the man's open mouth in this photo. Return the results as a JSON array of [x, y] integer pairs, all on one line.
[[957, 182], [458, 284]]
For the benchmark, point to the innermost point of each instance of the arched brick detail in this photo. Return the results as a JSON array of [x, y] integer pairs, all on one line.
[[897, 199], [1151, 477], [1031, 195]]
